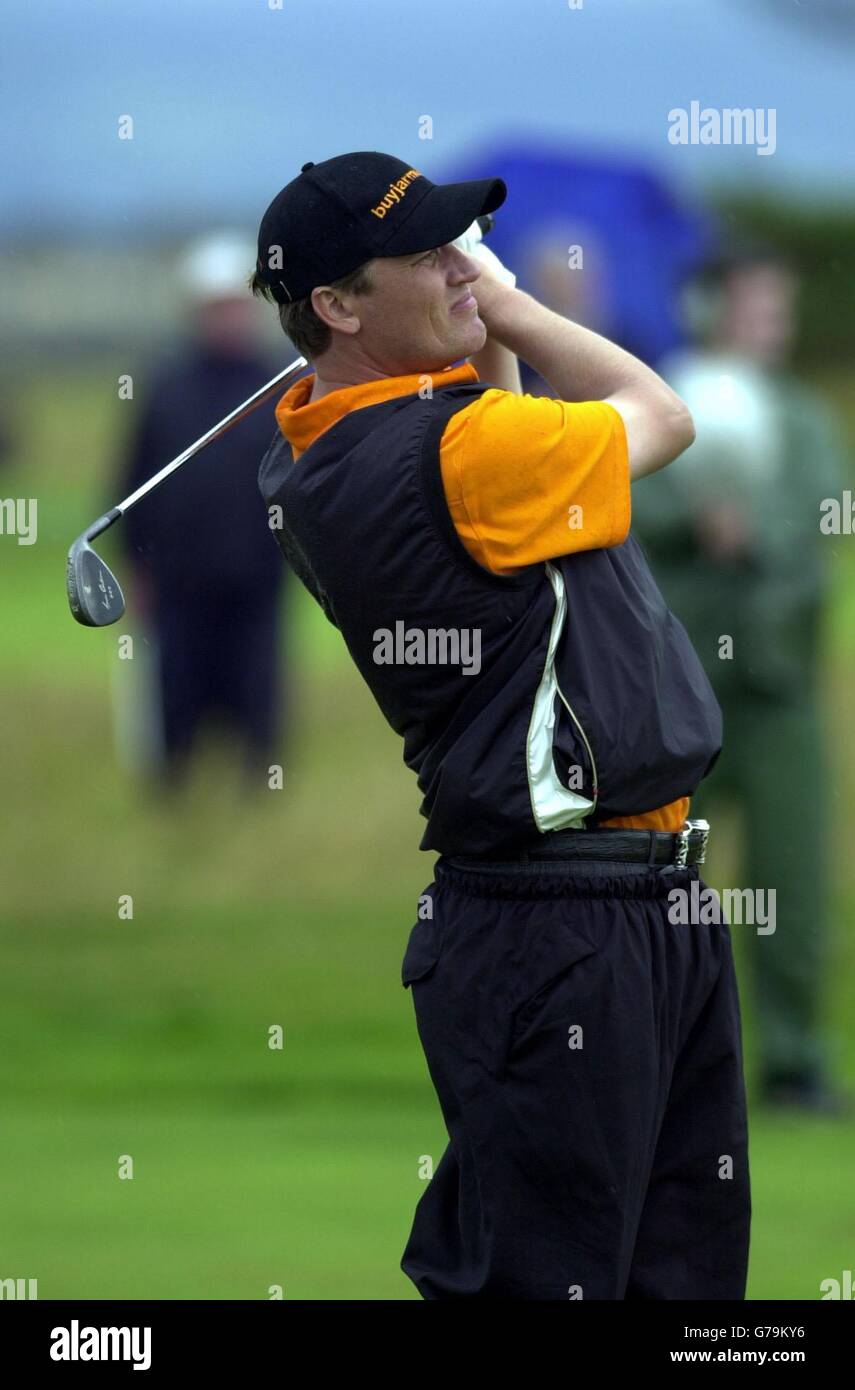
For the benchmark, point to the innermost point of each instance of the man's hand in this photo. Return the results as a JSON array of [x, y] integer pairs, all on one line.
[[490, 293], [493, 273], [472, 243], [494, 363], [488, 260]]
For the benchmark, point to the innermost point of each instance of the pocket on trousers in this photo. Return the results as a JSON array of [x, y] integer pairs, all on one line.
[[424, 948], [549, 991]]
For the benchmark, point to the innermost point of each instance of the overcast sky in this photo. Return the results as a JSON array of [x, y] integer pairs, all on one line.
[[230, 97]]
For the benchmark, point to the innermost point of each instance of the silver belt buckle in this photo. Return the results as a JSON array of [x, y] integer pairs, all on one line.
[[682, 854], [702, 829]]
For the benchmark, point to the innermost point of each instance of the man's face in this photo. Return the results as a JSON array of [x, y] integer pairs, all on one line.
[[419, 315]]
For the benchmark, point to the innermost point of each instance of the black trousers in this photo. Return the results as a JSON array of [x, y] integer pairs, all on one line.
[[587, 1056]]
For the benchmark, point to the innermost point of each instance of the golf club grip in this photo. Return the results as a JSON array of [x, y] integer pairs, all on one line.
[[486, 222]]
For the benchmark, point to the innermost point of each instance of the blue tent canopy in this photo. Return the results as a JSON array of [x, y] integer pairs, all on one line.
[[637, 239]]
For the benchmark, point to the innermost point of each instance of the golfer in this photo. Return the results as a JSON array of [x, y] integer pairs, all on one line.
[[472, 545]]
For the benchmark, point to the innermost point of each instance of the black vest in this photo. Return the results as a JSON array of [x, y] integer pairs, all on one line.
[[560, 696]]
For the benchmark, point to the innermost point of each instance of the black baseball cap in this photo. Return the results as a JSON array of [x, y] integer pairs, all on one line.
[[335, 216]]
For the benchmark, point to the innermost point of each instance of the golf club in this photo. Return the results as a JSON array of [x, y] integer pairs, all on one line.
[[94, 594]]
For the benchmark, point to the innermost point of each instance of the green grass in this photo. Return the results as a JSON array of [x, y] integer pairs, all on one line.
[[254, 1167]]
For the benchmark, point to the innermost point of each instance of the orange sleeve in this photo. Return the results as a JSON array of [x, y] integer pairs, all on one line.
[[528, 478]]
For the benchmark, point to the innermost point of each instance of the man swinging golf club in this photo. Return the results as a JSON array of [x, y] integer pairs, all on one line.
[[586, 1049]]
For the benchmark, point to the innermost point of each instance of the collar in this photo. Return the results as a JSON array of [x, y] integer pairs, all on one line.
[[302, 423]]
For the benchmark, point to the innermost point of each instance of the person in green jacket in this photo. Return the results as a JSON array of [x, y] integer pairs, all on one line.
[[734, 540]]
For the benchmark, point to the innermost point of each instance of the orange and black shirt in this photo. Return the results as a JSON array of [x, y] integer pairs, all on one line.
[[516, 471]]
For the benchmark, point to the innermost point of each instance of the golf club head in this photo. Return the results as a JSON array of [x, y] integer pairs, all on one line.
[[94, 593]]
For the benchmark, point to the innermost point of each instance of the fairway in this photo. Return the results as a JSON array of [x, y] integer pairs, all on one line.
[[258, 1167]]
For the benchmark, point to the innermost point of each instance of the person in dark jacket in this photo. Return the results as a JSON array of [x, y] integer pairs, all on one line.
[[208, 573], [472, 545]]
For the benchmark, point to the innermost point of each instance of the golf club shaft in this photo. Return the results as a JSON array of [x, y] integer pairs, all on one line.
[[225, 424], [104, 522]]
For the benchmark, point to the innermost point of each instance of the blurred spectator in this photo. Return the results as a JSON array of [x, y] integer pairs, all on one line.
[[732, 532], [208, 573]]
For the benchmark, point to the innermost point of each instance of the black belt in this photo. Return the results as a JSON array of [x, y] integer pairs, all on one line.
[[679, 848]]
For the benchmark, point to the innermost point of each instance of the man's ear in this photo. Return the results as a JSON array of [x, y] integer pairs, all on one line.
[[331, 310]]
